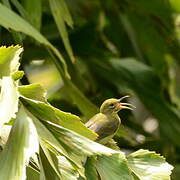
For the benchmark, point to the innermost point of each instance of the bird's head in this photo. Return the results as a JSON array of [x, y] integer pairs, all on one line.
[[113, 105]]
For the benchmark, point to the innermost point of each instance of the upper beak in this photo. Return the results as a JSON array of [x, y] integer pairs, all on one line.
[[119, 100], [120, 105]]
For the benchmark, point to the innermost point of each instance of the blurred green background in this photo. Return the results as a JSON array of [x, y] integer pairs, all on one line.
[[111, 48]]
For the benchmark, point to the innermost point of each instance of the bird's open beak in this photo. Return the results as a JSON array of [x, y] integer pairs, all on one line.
[[121, 105]]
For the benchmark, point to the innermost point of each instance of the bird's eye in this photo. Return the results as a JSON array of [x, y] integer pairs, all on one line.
[[111, 105]]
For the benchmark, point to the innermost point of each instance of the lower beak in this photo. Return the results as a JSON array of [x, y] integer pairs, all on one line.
[[120, 106]]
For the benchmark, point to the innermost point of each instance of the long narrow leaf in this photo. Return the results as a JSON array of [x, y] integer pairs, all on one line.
[[9, 19], [58, 8], [34, 9], [21, 145]]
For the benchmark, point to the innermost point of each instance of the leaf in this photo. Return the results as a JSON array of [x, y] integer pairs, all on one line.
[[9, 64], [20, 8], [32, 173], [45, 135], [67, 170], [17, 75], [77, 143], [113, 167], [90, 169], [46, 169], [34, 9], [74, 123], [175, 4], [9, 19], [149, 165], [46, 112], [9, 98], [33, 91], [61, 14], [9, 59], [21, 145], [47, 153], [6, 2]]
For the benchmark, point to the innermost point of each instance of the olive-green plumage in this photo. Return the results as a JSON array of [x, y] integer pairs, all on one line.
[[107, 122]]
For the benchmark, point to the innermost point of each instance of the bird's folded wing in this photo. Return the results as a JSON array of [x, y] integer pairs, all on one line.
[[101, 125]]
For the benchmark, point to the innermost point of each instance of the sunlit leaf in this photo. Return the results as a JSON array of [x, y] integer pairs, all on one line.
[[17, 75], [21, 145], [113, 167], [9, 64], [9, 59], [46, 171], [47, 112], [33, 91], [45, 135], [77, 143], [8, 100], [149, 165], [47, 153], [66, 169]]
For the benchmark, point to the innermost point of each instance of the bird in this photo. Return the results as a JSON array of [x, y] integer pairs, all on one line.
[[106, 123]]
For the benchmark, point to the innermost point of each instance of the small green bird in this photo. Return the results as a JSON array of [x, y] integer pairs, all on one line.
[[106, 123]]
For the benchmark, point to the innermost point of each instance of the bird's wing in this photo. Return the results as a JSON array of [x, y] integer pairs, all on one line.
[[102, 126]]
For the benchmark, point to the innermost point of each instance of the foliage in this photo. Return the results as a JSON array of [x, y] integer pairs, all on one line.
[[84, 52]]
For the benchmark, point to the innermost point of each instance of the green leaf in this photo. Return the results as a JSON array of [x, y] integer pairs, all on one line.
[[31, 173], [9, 64], [46, 169], [90, 169], [49, 158], [21, 145], [45, 135], [34, 9], [175, 5], [67, 170], [149, 165], [17, 75], [6, 2], [46, 112], [33, 91], [9, 98], [20, 8], [113, 167], [61, 14], [77, 143], [9, 59], [9, 19]]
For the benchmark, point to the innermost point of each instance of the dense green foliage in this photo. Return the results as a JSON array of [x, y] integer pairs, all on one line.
[[84, 52]]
